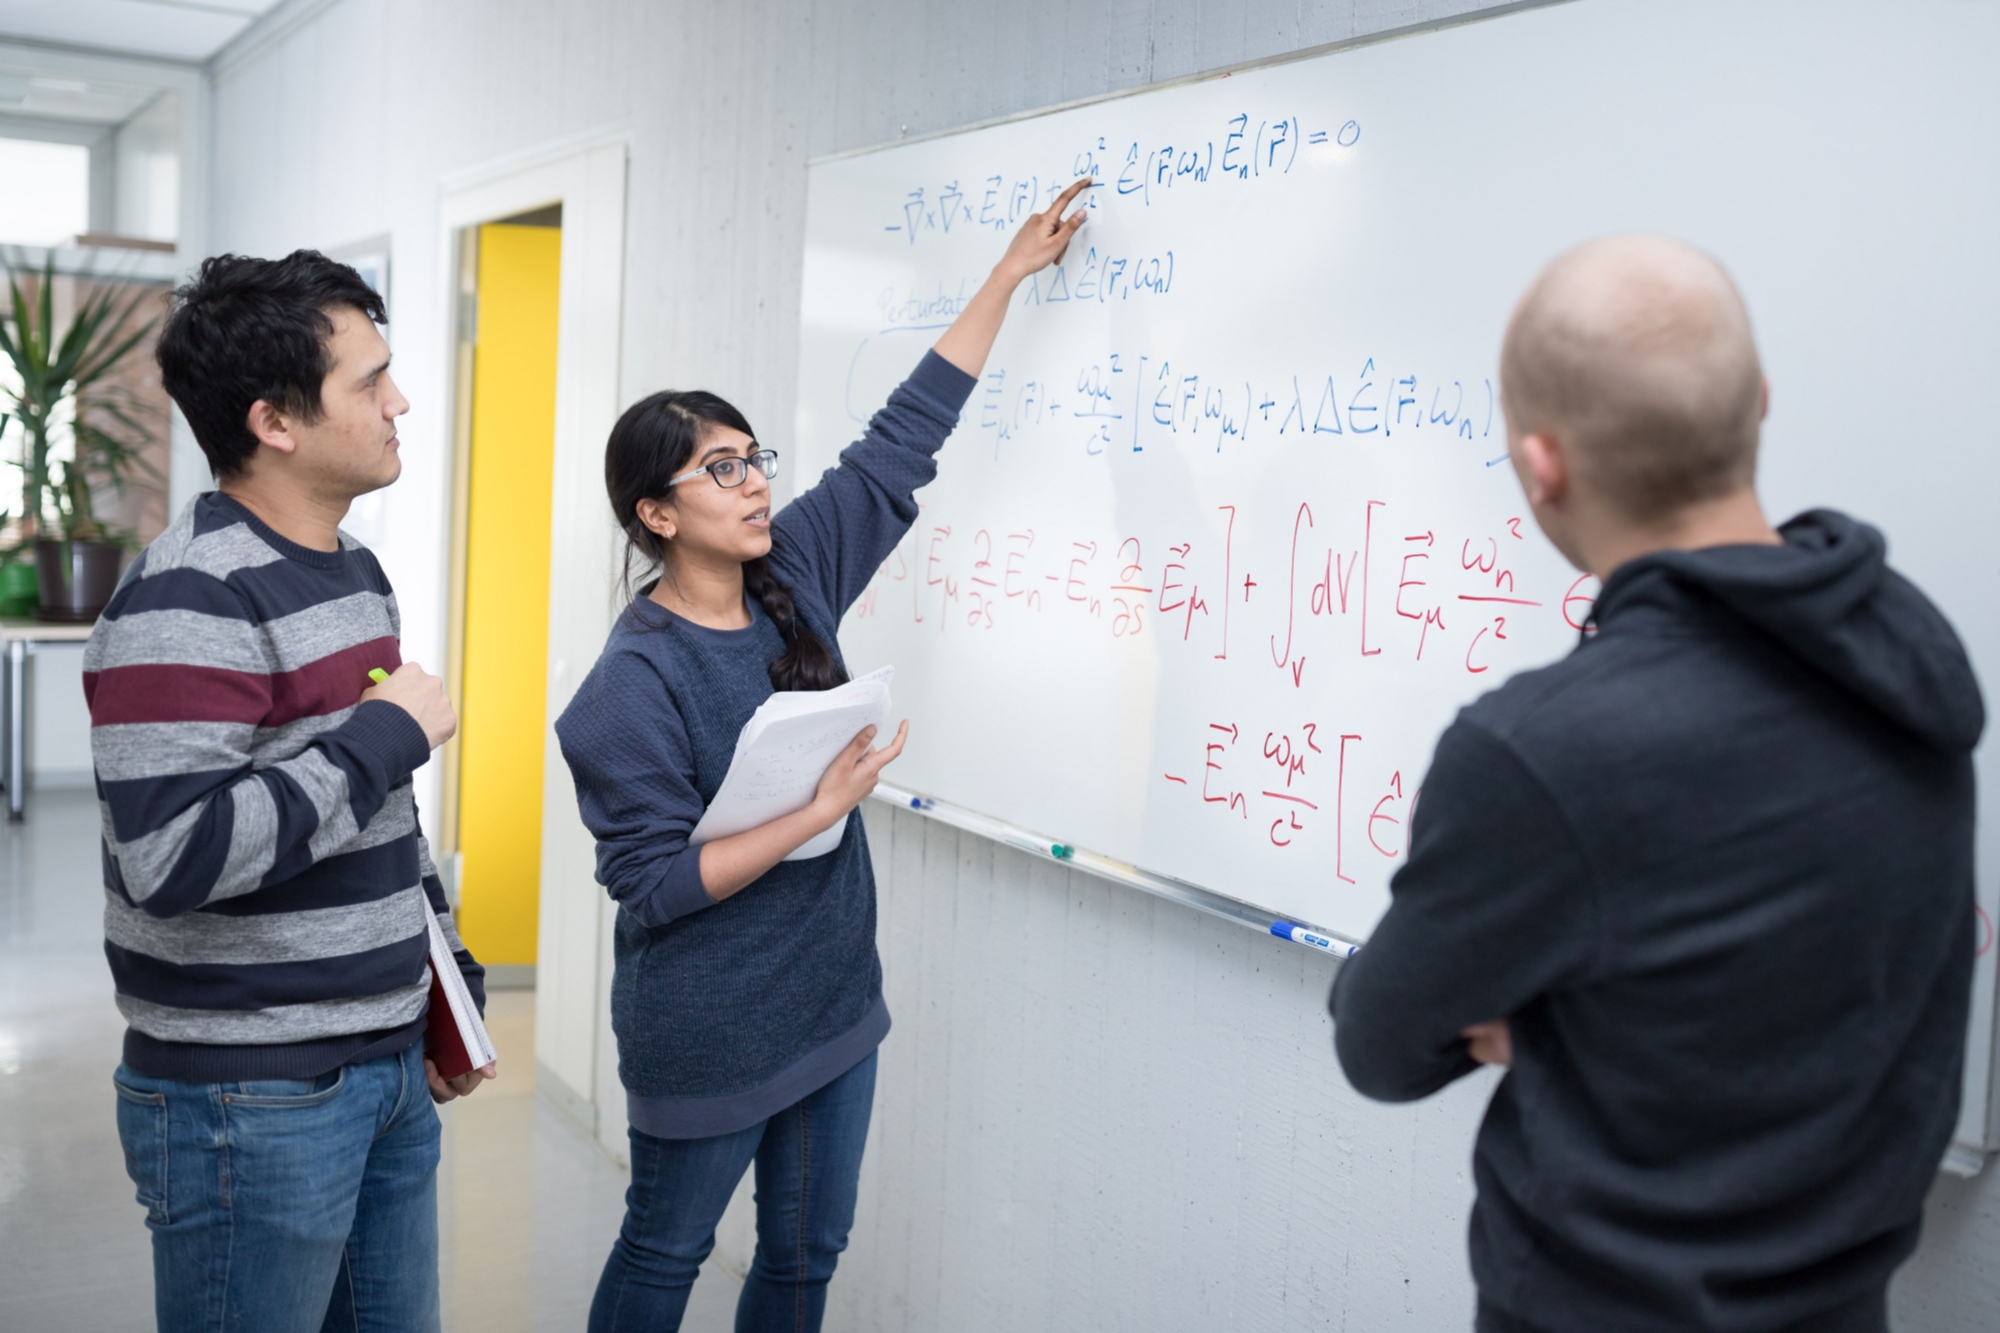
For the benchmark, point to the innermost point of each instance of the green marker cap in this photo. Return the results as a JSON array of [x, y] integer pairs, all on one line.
[[378, 675]]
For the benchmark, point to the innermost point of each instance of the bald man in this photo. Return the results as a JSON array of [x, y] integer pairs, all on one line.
[[1706, 883]]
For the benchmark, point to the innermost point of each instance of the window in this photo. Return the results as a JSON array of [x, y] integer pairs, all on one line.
[[44, 192]]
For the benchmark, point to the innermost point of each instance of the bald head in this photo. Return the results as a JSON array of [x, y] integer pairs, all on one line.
[[1634, 353]]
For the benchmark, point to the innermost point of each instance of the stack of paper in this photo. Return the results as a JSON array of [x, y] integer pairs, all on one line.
[[783, 752], [455, 1038]]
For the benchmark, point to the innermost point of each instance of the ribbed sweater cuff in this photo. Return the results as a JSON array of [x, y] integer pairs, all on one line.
[[680, 893], [385, 729]]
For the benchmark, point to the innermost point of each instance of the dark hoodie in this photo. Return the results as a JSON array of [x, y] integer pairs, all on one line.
[[1716, 867]]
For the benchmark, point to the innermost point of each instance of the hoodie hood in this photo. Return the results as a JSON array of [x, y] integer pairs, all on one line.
[[1829, 596]]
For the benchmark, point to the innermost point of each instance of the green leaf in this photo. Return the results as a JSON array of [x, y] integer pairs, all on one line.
[[47, 294], [110, 424]]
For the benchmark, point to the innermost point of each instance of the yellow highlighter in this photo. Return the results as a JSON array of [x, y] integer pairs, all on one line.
[[378, 675]]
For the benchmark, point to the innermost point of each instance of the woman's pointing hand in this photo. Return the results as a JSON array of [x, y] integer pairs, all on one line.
[[1044, 237], [1042, 241]]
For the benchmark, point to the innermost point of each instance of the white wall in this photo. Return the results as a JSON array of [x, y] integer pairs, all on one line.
[[149, 172], [1096, 1111], [1099, 1110], [58, 723]]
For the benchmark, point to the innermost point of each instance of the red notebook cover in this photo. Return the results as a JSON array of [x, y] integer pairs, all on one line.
[[442, 1044]]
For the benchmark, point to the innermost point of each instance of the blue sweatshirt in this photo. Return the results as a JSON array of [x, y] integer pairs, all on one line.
[[726, 1013], [1716, 868]]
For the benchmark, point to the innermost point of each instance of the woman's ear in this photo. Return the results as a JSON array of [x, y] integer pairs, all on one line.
[[658, 516]]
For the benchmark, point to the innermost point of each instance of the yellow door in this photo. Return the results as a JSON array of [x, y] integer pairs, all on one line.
[[504, 703]]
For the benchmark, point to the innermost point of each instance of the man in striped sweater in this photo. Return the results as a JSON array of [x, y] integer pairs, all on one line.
[[265, 878]]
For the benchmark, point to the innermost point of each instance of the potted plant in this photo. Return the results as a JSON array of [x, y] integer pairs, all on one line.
[[20, 592], [80, 432]]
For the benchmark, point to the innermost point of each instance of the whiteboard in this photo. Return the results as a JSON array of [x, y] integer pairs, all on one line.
[[1225, 536]]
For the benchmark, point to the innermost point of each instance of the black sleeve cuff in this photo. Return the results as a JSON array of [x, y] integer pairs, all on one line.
[[475, 979], [389, 731]]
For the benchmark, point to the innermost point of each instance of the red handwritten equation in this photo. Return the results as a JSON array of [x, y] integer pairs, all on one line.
[[1281, 783], [1346, 611], [1420, 592]]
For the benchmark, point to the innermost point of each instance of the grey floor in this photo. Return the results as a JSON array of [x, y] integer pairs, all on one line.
[[527, 1205]]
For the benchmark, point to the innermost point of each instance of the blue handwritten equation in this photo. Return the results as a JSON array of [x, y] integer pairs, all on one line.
[[1122, 402], [1098, 278], [1101, 277], [1241, 149]]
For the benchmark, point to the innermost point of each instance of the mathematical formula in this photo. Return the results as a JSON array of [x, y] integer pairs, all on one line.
[[1130, 402], [1241, 149], [1226, 530]]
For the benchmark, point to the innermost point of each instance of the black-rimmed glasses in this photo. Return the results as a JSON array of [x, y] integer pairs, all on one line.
[[729, 473]]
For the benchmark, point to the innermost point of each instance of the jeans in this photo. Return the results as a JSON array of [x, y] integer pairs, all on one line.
[[289, 1205], [808, 1160]]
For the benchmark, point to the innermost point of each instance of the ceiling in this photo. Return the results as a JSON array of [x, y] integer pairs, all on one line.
[[87, 102], [190, 30]]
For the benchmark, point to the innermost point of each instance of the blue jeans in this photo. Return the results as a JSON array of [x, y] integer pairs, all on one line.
[[808, 1162], [289, 1205]]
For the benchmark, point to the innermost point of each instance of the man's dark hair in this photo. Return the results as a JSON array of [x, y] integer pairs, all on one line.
[[246, 329]]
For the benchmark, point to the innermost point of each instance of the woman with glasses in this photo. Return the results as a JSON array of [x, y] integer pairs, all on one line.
[[747, 996]]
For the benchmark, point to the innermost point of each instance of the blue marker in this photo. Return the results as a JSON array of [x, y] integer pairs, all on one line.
[[921, 803], [1285, 930]]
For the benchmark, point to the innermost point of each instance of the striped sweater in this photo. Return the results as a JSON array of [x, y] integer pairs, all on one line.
[[264, 873]]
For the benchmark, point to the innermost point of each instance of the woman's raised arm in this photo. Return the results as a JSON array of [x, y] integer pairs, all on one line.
[[1040, 242], [839, 530]]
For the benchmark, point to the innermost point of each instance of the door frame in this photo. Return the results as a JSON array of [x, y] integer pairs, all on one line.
[[586, 174]]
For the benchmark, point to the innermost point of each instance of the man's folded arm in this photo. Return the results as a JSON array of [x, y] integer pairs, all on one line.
[[1495, 905], [175, 699]]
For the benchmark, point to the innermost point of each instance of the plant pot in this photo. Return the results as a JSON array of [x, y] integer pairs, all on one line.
[[76, 578], [20, 588]]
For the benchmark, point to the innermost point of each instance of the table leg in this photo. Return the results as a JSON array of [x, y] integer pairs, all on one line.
[[6, 715], [17, 729]]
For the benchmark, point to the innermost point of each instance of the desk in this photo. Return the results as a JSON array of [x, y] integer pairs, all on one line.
[[20, 637]]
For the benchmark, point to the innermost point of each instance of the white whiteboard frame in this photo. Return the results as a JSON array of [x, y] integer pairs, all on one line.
[[1105, 867], [1082, 858]]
